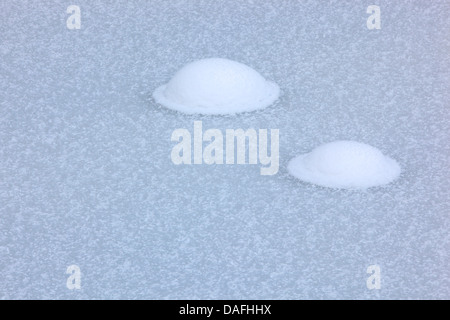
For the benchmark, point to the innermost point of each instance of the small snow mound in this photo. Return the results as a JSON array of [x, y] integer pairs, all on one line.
[[346, 165], [217, 86]]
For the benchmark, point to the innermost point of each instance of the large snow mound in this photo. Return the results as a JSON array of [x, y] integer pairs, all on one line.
[[345, 164], [217, 86]]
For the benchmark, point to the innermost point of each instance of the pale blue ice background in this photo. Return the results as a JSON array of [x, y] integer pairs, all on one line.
[[86, 176]]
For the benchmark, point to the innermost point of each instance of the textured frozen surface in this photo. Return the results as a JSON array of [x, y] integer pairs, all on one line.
[[345, 164], [86, 176], [217, 86]]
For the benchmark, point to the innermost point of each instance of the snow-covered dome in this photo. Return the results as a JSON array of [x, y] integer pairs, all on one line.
[[217, 86], [345, 164]]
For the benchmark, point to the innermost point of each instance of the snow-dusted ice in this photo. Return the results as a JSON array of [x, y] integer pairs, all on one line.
[[345, 164], [217, 86], [86, 176]]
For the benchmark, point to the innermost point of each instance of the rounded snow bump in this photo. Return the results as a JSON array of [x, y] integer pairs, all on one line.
[[345, 164], [217, 86]]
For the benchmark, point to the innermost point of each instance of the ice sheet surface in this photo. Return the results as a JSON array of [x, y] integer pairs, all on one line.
[[86, 176]]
